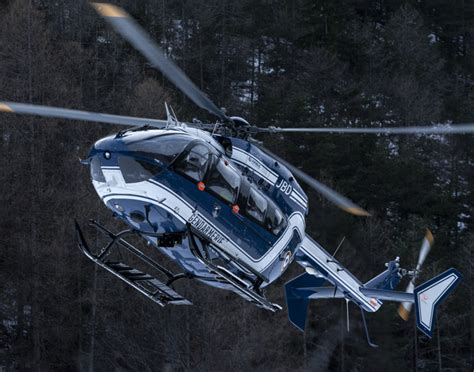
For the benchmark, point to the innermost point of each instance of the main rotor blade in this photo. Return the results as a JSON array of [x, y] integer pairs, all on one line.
[[55, 112], [124, 24], [330, 194], [442, 129]]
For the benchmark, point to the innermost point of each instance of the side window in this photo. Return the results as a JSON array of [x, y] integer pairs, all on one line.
[[265, 212], [195, 163], [275, 220], [257, 205], [134, 170], [224, 182], [96, 171]]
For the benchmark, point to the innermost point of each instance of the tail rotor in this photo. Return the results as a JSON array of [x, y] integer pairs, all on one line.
[[405, 307]]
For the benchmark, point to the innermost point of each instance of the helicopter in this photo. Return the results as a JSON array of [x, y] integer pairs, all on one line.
[[228, 211]]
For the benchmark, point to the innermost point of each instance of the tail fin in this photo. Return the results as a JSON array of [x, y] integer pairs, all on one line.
[[297, 293], [387, 279], [429, 295]]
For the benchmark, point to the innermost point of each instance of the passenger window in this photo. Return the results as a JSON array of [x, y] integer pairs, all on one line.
[[195, 163], [275, 220], [134, 170], [224, 182], [256, 205]]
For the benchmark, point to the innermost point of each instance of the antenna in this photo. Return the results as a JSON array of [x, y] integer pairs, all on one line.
[[335, 252], [347, 315], [339, 246], [171, 119]]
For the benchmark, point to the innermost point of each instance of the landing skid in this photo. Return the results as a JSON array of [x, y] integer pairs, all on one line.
[[150, 286], [246, 290]]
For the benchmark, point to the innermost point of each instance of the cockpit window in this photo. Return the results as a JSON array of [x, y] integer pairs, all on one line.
[[96, 171], [224, 182], [257, 205], [163, 147], [195, 163], [135, 170]]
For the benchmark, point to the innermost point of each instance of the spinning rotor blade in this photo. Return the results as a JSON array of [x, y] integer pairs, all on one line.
[[425, 248], [55, 112], [405, 307], [446, 129], [135, 35], [331, 195]]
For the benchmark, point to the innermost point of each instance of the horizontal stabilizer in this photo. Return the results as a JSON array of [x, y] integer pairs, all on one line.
[[387, 295], [429, 295], [297, 293]]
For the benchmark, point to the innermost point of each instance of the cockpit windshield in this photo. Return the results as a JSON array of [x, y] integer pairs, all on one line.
[[224, 181], [137, 170], [164, 147]]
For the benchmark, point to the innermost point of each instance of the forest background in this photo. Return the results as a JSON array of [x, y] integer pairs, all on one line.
[[283, 63]]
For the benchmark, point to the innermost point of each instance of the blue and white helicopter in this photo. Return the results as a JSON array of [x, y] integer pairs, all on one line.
[[228, 211]]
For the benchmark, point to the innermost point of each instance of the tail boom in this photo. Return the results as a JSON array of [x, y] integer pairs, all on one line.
[[313, 255], [321, 267]]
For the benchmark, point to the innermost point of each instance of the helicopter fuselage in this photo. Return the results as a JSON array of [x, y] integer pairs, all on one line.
[[248, 207]]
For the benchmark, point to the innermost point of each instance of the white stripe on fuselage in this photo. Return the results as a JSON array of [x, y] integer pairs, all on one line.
[[167, 199], [248, 160], [297, 201], [297, 195]]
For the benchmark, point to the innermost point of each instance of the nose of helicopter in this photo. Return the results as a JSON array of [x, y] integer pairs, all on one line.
[[104, 166], [107, 144]]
